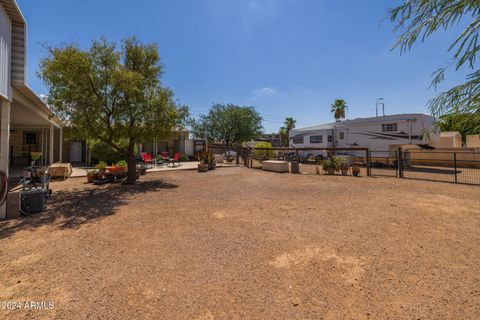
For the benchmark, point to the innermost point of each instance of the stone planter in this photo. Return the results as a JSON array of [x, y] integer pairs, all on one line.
[[202, 167], [331, 171], [356, 171], [212, 166], [91, 177], [344, 171]]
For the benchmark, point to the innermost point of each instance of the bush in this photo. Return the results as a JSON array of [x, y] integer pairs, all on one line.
[[122, 163], [184, 157], [101, 165], [263, 154]]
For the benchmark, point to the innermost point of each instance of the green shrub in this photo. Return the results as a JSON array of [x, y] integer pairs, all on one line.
[[101, 165], [122, 163], [263, 154], [184, 157]]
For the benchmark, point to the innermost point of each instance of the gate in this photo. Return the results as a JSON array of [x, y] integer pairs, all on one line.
[[434, 165]]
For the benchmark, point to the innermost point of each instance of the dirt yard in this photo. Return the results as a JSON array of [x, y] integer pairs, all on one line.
[[240, 243]]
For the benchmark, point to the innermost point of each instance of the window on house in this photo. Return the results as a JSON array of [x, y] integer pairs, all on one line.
[[316, 139], [330, 138], [30, 138], [341, 135], [389, 127], [298, 139]]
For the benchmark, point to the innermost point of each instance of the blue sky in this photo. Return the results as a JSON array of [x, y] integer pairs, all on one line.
[[285, 57]]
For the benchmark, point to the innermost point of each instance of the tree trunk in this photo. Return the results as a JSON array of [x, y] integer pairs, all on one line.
[[132, 163]]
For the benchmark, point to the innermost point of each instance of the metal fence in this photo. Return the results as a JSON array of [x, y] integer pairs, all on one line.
[[434, 165], [461, 166]]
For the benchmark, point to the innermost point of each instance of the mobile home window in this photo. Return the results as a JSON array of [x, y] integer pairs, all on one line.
[[298, 139], [389, 127], [341, 135], [316, 139]]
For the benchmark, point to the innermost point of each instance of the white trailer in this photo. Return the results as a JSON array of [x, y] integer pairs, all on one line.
[[376, 134]]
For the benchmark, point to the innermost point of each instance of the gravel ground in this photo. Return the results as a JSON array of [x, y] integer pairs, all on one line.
[[239, 243]]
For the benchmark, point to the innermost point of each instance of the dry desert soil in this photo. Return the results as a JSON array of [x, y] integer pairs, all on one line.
[[240, 243]]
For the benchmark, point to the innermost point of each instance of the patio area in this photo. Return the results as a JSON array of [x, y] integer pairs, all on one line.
[[236, 243]]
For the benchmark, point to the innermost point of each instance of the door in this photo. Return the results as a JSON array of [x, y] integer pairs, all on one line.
[[75, 152]]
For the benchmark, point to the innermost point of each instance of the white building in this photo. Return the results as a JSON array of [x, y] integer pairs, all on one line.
[[26, 123], [376, 133]]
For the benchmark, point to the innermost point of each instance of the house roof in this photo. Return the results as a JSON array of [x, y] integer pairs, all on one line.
[[13, 11]]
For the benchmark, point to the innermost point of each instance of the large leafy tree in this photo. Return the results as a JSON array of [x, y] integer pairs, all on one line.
[[111, 94], [228, 124], [339, 108], [288, 124], [418, 20]]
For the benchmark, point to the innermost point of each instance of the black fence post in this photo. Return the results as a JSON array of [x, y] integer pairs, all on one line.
[[400, 163], [369, 169], [455, 166]]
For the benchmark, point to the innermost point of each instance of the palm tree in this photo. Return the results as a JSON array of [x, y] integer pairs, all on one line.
[[288, 125], [338, 109]]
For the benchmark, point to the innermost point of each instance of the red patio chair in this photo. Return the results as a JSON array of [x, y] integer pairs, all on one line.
[[176, 158], [164, 155], [147, 159]]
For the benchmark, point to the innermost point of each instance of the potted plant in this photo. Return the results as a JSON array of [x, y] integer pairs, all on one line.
[[119, 168], [328, 166], [208, 159], [211, 162], [92, 174], [35, 156], [344, 166], [202, 167], [101, 167], [356, 170]]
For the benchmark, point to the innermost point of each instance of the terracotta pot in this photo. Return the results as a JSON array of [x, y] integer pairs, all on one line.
[[116, 170]]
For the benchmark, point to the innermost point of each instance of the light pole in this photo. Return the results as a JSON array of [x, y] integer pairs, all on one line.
[[379, 101]]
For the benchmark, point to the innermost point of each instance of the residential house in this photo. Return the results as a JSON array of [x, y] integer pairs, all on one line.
[[26, 122]]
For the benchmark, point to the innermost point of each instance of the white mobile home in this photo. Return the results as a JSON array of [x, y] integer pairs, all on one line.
[[376, 133]]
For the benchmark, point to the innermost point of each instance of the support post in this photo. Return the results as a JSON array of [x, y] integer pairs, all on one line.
[[400, 163], [50, 145], [60, 147], [369, 167], [455, 166]]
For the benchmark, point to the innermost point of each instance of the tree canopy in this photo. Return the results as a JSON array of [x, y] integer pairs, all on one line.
[[111, 94], [228, 124], [418, 20], [339, 108]]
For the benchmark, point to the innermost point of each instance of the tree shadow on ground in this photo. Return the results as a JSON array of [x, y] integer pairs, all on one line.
[[72, 208]]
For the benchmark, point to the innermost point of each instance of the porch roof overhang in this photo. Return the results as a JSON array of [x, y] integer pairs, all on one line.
[[29, 111], [13, 11]]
